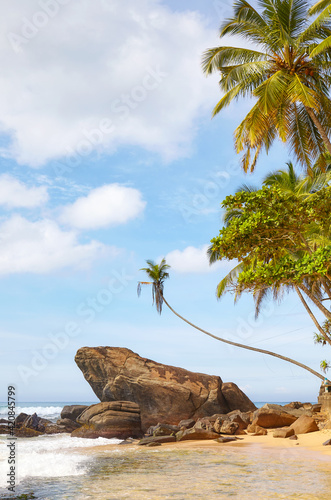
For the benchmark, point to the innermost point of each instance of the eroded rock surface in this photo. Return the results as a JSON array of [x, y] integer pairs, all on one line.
[[165, 394]]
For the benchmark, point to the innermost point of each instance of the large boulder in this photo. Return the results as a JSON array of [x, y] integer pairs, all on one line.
[[120, 419], [165, 394], [269, 417], [303, 425]]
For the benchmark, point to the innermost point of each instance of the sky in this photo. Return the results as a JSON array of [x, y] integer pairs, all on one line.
[[109, 156]]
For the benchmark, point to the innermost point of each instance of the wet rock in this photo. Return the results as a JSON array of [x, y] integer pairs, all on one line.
[[72, 412], [283, 433], [27, 432], [117, 419], [304, 425], [165, 394], [20, 419], [68, 424], [3, 421]]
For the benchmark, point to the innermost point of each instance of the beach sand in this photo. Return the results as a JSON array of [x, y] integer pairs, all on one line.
[[311, 443]]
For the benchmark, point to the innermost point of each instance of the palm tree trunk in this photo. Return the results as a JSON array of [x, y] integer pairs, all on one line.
[[269, 353], [318, 326], [320, 128], [320, 306]]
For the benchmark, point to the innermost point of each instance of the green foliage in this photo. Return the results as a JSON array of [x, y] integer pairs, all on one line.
[[288, 82], [270, 237], [321, 339], [325, 365]]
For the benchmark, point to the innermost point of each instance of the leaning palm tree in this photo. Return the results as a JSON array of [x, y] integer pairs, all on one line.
[[158, 273], [289, 85]]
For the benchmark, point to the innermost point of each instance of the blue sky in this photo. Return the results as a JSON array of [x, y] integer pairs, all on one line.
[[109, 157]]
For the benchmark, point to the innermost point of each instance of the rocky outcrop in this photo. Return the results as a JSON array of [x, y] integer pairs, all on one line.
[[165, 394], [32, 425], [120, 419]]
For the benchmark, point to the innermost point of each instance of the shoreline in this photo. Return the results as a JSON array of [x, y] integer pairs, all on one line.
[[310, 444]]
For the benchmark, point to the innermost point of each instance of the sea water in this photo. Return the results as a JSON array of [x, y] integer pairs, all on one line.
[[59, 467]]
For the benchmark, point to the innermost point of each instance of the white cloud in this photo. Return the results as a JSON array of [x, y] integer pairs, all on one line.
[[14, 193], [107, 205], [195, 260], [137, 64], [42, 247]]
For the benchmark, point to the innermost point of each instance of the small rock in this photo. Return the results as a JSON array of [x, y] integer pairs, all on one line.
[[327, 443], [165, 430], [188, 423], [283, 433], [72, 411], [259, 431], [151, 445], [229, 427], [157, 439], [226, 439], [204, 424], [195, 434], [294, 437]]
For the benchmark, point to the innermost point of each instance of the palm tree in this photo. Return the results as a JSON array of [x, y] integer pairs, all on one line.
[[158, 273], [289, 85], [289, 182]]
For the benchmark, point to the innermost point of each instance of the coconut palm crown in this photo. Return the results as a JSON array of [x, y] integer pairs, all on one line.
[[277, 68], [158, 274]]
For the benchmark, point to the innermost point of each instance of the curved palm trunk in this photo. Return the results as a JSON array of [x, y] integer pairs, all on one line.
[[320, 128], [279, 356], [318, 326]]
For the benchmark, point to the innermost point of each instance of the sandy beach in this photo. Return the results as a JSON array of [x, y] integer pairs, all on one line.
[[310, 444]]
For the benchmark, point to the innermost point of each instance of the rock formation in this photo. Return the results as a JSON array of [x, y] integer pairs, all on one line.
[[120, 419], [165, 394]]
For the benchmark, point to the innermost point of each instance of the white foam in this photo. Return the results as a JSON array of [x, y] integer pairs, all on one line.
[[42, 411], [49, 456]]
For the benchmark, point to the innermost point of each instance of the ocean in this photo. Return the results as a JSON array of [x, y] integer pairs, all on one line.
[[58, 467]]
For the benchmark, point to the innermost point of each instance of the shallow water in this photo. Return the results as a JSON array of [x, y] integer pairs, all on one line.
[[228, 471]]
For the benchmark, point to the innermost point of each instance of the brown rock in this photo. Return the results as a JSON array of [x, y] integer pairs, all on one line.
[[27, 432], [72, 412], [327, 443], [156, 439], [226, 439], [165, 394], [218, 424], [251, 428], [204, 424], [294, 437], [236, 399], [196, 434], [4, 429], [165, 430], [303, 425], [20, 419], [118, 419], [229, 427], [259, 431], [272, 418], [283, 433], [68, 424], [187, 424]]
